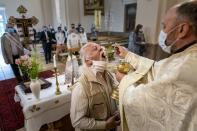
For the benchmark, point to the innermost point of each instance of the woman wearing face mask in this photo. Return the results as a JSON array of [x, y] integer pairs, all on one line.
[[137, 40]]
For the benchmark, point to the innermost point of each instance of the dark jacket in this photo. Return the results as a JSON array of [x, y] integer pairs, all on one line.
[[43, 37]]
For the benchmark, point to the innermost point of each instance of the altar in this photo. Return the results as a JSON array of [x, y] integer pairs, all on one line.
[[48, 108]]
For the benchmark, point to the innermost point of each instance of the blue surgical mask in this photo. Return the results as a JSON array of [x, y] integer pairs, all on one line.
[[11, 30]]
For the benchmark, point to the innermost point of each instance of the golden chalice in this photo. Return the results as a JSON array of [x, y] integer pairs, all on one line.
[[125, 68]]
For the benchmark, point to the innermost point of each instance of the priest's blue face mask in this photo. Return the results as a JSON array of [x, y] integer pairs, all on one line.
[[162, 40]]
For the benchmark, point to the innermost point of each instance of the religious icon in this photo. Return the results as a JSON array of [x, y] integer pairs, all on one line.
[[91, 5], [24, 26]]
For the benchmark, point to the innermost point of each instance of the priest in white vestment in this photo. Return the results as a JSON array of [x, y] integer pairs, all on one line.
[[162, 96]]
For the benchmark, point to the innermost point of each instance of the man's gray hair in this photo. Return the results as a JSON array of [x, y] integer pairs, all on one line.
[[84, 55], [188, 11]]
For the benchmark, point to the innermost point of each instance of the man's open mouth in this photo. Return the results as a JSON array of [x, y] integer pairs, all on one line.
[[103, 55]]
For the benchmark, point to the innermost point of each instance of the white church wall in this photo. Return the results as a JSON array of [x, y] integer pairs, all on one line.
[[116, 8], [87, 20], [73, 11], [150, 14], [46, 6], [33, 7], [117, 13], [147, 14]]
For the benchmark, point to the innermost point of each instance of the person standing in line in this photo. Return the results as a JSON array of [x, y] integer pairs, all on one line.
[[137, 40], [60, 38], [83, 37], [12, 49], [46, 43]]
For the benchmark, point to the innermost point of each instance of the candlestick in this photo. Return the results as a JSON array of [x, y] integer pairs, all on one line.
[[54, 61], [58, 92]]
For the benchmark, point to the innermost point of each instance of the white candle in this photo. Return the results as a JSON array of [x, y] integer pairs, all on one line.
[[96, 18], [54, 61], [99, 19]]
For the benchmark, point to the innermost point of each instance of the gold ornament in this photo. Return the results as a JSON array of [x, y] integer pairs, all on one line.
[[34, 20], [21, 9], [125, 68]]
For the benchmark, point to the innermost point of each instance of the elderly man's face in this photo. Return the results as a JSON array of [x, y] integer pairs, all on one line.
[[95, 51], [170, 25]]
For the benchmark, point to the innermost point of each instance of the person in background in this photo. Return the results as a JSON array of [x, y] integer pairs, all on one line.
[[12, 49], [53, 39], [73, 41], [73, 29], [137, 40], [93, 33], [79, 28], [65, 34], [60, 38], [92, 107], [35, 33], [46, 44], [83, 37]]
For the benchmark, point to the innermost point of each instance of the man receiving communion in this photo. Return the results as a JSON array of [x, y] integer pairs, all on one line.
[[162, 96], [91, 105]]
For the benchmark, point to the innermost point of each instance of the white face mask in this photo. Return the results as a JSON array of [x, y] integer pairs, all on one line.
[[162, 41], [99, 66]]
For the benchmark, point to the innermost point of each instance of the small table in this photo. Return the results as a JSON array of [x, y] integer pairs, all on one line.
[[48, 109]]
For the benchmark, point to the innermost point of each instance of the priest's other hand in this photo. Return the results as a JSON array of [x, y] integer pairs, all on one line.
[[113, 122], [121, 51], [119, 76]]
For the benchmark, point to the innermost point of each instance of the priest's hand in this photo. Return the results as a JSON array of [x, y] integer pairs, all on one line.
[[113, 122], [121, 51], [119, 76]]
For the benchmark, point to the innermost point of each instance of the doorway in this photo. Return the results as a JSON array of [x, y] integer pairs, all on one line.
[[130, 16]]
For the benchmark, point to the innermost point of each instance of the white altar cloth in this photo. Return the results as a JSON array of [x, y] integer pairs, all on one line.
[[48, 109]]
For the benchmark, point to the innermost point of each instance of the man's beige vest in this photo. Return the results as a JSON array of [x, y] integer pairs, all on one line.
[[100, 104]]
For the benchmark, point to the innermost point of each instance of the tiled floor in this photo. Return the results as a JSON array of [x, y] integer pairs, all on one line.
[[7, 73]]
